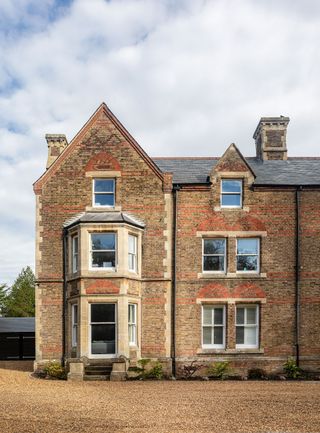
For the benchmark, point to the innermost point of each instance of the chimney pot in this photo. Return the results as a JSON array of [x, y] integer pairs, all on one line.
[[270, 136], [56, 145]]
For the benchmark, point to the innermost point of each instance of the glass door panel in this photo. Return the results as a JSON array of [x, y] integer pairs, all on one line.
[[103, 329]]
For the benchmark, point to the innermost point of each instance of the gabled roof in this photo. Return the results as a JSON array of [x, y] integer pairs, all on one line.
[[17, 324], [294, 171], [103, 217], [108, 113], [233, 160]]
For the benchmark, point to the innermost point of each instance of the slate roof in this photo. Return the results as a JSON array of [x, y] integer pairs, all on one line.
[[104, 217], [294, 171], [17, 324]]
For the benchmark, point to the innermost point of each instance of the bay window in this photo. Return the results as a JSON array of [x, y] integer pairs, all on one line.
[[103, 250]]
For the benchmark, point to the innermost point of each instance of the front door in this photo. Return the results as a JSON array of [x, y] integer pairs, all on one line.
[[103, 329]]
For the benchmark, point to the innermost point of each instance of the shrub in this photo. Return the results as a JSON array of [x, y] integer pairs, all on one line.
[[189, 370], [219, 370], [156, 372], [54, 370], [256, 373], [291, 369]]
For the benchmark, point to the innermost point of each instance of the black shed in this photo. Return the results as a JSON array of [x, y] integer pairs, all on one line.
[[17, 338]]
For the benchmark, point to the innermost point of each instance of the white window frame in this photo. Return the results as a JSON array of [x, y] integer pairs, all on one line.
[[257, 271], [245, 325], [74, 324], [94, 193], [212, 326], [93, 268], [225, 256], [231, 193], [75, 254], [134, 254], [132, 324], [103, 355]]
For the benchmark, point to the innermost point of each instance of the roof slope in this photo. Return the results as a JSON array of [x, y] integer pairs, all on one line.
[[17, 324], [294, 171]]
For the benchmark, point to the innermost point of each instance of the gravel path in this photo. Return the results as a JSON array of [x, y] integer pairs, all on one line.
[[38, 406]]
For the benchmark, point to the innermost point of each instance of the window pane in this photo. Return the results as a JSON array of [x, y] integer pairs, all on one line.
[[218, 335], [213, 263], [102, 313], [251, 315], [75, 244], [103, 241], [240, 335], [247, 246], [104, 199], [250, 336], [207, 336], [103, 339], [214, 246], [132, 337], [104, 259], [132, 244], [218, 316], [240, 316], [207, 315], [131, 313], [75, 314], [247, 263], [231, 200], [231, 185], [103, 185]]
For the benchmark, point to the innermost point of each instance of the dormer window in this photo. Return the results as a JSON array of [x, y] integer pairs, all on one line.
[[104, 192], [231, 193]]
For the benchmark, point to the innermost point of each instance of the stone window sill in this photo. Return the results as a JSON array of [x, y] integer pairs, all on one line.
[[244, 275], [229, 351]]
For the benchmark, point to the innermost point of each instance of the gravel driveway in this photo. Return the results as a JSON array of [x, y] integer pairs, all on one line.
[[39, 406]]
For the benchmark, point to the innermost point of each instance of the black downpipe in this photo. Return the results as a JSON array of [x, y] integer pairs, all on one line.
[[298, 267], [176, 188], [64, 307]]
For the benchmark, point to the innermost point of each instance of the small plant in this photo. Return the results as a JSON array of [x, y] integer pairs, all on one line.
[[189, 370], [291, 369], [256, 373], [156, 372], [219, 370], [55, 370]]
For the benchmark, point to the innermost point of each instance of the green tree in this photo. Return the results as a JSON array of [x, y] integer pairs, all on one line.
[[20, 300], [3, 297]]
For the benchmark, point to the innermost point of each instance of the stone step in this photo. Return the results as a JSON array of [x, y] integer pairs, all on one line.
[[94, 368], [96, 377]]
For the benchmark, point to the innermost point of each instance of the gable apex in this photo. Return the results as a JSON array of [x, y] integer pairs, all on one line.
[[232, 161], [103, 109]]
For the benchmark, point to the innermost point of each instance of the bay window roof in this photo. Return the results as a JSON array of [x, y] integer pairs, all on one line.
[[104, 217]]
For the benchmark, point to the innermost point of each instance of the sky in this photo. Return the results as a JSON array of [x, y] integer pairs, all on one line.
[[185, 77]]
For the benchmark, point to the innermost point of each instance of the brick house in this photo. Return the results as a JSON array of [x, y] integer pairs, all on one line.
[[176, 259]]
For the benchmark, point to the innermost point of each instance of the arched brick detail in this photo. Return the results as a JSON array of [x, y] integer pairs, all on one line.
[[102, 287], [103, 161], [218, 291], [213, 291], [238, 223]]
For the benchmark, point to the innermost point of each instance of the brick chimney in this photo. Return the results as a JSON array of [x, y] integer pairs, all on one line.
[[56, 145], [270, 136]]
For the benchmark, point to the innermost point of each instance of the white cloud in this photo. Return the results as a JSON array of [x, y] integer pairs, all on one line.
[[185, 77]]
